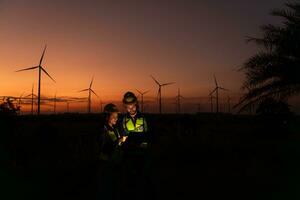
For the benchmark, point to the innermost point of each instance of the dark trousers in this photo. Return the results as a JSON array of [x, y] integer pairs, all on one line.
[[108, 186], [136, 179]]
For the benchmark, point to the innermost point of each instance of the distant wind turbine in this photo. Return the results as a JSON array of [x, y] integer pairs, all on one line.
[[32, 95], [216, 90], [40, 69], [211, 98], [142, 98], [90, 90], [159, 91], [178, 98], [20, 99], [20, 102]]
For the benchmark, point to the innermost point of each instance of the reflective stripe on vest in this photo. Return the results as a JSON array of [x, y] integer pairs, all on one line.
[[139, 125], [112, 135]]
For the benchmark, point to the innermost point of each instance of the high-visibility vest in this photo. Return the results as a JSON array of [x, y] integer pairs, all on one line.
[[114, 136], [140, 125]]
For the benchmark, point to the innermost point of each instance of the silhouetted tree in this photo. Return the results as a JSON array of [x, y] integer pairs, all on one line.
[[271, 106], [8, 108], [275, 70]]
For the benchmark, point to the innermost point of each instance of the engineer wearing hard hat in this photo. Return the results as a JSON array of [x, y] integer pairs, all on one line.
[[110, 156], [134, 128], [110, 139], [133, 122]]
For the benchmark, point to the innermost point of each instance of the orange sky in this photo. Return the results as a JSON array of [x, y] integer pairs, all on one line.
[[121, 44]]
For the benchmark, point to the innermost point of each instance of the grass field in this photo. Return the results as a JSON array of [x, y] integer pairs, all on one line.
[[207, 155]]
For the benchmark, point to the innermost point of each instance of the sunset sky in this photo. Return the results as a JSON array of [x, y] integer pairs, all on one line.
[[121, 43]]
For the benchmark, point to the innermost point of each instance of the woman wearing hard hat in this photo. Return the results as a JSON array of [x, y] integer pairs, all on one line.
[[110, 154]]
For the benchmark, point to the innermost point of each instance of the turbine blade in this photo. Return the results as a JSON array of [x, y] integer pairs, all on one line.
[[94, 93], [92, 82], [28, 96], [223, 89], [42, 57], [21, 95], [139, 91], [146, 92], [165, 84], [27, 69], [213, 91], [48, 74], [216, 83], [155, 80], [83, 90]]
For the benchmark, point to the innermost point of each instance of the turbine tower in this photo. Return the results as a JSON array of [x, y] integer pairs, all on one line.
[[32, 95], [142, 98], [159, 91], [216, 90], [179, 97], [90, 90], [40, 69]]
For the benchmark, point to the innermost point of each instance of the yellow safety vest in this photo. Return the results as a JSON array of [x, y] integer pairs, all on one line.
[[112, 135], [139, 126]]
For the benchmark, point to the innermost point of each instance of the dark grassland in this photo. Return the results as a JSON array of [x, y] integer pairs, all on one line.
[[201, 156]]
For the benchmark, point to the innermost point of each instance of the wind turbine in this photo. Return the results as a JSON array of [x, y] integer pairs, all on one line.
[[159, 91], [90, 90], [32, 95], [211, 98], [142, 98], [216, 90], [20, 102], [20, 99], [179, 97], [40, 69]]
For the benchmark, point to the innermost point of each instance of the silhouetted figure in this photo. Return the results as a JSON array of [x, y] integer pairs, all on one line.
[[136, 148], [110, 155]]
